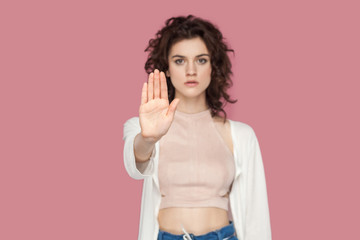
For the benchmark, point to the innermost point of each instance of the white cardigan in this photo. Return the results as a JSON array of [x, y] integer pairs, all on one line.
[[248, 201]]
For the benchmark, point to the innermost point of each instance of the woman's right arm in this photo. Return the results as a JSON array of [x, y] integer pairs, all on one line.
[[143, 150], [141, 134], [134, 162]]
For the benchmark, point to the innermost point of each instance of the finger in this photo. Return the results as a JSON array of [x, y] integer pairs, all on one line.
[[156, 85], [150, 87], [144, 93], [172, 107], [163, 84]]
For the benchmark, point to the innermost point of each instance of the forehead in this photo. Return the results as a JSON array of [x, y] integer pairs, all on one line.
[[189, 47]]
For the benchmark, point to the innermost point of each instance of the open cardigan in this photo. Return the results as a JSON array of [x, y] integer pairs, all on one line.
[[248, 200]]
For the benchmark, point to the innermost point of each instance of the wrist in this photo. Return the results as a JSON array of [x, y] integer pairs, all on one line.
[[149, 140]]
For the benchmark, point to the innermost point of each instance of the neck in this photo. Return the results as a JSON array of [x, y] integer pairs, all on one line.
[[192, 105]]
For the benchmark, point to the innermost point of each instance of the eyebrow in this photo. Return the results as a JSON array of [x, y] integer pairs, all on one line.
[[196, 56]]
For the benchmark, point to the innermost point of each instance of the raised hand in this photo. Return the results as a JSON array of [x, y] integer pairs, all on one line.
[[155, 113]]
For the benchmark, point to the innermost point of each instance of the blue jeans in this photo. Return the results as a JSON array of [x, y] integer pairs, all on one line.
[[224, 233]]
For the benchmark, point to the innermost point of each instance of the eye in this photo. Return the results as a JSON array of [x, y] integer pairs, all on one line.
[[177, 61], [203, 60]]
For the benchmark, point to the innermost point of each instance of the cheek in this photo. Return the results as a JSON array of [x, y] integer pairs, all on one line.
[[172, 69], [207, 72], [207, 68], [177, 74]]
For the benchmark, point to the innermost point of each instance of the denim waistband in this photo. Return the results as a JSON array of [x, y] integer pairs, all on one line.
[[223, 233]]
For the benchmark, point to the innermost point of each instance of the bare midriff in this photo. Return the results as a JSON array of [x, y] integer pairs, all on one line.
[[197, 221]]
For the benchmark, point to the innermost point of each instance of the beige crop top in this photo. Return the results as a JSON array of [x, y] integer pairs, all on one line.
[[196, 167]]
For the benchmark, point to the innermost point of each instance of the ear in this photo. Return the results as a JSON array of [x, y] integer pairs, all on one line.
[[167, 73]]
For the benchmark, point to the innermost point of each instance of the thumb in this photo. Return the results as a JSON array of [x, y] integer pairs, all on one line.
[[173, 107]]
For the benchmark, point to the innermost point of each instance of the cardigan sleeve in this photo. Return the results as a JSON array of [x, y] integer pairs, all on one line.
[[257, 216], [134, 169]]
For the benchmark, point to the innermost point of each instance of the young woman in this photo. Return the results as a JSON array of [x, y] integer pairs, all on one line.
[[203, 173]]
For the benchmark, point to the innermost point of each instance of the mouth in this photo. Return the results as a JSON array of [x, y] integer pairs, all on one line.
[[191, 83]]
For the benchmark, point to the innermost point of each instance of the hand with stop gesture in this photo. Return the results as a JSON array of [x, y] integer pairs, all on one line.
[[155, 113]]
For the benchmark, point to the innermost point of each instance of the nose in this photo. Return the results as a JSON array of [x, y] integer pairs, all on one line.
[[191, 69]]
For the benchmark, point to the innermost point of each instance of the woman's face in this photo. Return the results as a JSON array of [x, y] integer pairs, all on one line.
[[189, 60]]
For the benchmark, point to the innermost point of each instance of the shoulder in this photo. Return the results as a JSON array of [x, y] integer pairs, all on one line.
[[219, 121], [242, 130], [236, 128], [241, 126]]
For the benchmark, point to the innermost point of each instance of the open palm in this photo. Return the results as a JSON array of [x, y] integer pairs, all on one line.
[[155, 113]]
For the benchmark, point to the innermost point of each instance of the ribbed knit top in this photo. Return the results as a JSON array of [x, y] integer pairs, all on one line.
[[196, 167]]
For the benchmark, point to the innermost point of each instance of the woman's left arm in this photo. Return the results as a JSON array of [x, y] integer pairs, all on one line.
[[257, 225]]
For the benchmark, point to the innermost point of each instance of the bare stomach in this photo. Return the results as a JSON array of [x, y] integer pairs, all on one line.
[[197, 221]]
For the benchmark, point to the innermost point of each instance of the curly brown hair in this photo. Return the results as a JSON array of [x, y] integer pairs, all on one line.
[[179, 28]]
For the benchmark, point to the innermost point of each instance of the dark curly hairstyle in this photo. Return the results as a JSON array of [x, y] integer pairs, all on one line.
[[179, 28]]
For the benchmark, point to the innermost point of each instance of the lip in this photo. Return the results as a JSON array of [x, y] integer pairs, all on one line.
[[191, 83]]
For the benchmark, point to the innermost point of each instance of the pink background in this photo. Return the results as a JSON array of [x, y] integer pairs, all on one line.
[[71, 74]]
